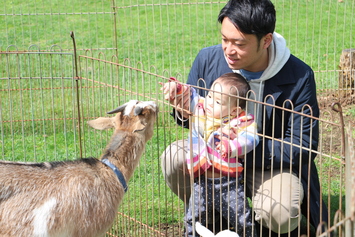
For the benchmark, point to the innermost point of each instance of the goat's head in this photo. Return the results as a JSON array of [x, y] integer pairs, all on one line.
[[134, 116]]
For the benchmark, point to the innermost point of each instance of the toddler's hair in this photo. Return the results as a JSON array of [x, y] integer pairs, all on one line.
[[236, 84]]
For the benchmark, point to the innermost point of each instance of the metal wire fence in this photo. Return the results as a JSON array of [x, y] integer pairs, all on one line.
[[43, 119], [48, 90]]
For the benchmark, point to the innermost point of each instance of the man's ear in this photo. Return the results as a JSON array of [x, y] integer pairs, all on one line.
[[236, 111], [266, 41]]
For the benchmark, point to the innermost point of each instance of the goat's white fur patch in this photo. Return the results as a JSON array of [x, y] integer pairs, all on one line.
[[129, 107], [41, 217], [133, 103]]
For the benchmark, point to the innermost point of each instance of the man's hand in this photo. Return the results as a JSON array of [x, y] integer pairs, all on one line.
[[178, 95]]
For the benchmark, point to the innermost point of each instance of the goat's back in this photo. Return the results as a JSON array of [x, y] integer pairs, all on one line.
[[74, 198]]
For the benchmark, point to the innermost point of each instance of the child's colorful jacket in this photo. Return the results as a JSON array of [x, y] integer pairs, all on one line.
[[203, 140]]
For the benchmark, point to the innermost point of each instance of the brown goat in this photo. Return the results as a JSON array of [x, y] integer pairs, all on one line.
[[81, 197]]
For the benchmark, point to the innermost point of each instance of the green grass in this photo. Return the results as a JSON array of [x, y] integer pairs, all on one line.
[[169, 35], [38, 96]]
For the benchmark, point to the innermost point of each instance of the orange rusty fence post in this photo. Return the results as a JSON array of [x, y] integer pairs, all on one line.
[[349, 183]]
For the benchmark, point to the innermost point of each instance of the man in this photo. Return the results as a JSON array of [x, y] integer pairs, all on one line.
[[280, 173]]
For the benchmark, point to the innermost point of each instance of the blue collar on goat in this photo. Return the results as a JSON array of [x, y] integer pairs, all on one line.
[[117, 172]]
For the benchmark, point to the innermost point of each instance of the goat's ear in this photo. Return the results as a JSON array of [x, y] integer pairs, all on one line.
[[101, 123]]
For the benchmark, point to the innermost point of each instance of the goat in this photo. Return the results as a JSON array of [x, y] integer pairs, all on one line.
[[76, 198]]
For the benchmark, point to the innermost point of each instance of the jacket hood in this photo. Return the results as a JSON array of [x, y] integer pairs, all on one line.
[[278, 56]]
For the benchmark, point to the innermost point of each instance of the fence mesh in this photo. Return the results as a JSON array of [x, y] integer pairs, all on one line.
[[125, 48]]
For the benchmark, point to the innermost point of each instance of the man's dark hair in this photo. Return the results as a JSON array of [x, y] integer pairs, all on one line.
[[256, 17]]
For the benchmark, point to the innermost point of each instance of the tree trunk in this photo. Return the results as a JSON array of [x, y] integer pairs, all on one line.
[[347, 75]]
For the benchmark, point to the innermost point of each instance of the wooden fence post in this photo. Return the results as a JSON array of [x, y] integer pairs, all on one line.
[[347, 75]]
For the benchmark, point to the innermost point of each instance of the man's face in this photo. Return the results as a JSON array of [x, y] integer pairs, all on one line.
[[243, 51]]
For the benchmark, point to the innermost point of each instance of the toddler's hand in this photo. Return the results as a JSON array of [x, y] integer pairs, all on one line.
[[228, 133], [223, 146]]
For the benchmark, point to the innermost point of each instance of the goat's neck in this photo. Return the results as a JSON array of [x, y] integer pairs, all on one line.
[[124, 151]]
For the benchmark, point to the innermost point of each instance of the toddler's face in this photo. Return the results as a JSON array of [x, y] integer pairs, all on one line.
[[218, 105]]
